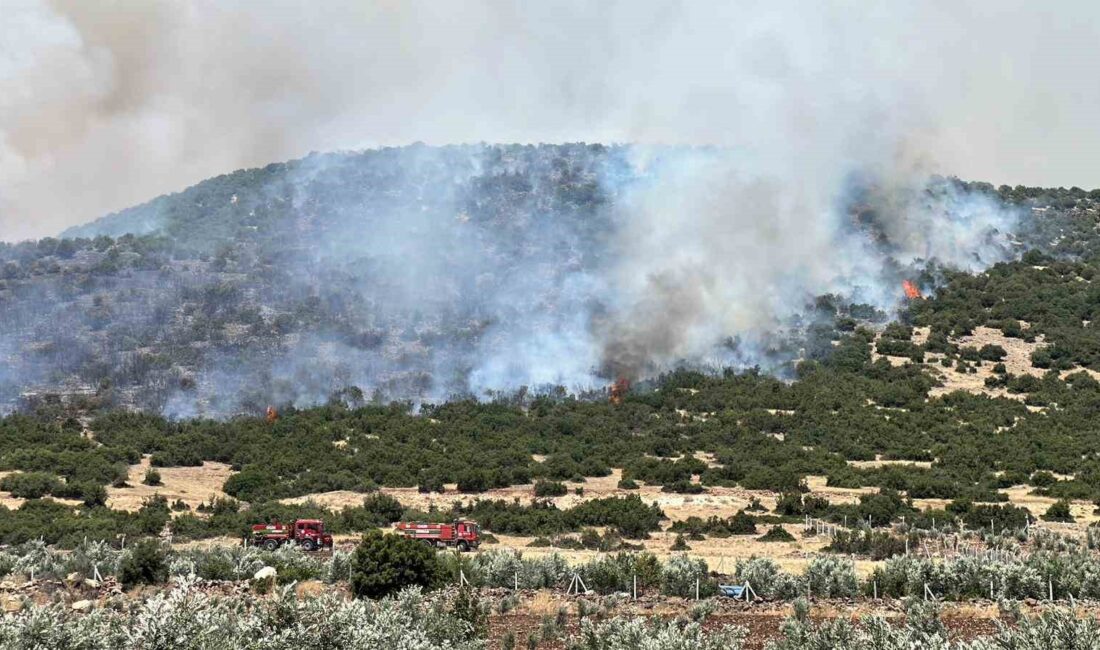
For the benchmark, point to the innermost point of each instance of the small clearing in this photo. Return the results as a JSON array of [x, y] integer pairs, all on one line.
[[192, 485]]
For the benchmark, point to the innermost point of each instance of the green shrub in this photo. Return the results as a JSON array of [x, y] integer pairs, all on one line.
[[1059, 511], [683, 487], [992, 352], [550, 489], [877, 545], [429, 481], [473, 481], [383, 564], [1043, 479], [145, 562], [152, 477], [1004, 517], [94, 495], [31, 485], [742, 524], [777, 534]]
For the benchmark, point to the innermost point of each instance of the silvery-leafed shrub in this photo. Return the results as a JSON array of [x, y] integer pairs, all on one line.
[[89, 556], [1048, 540], [654, 634], [502, 568], [1053, 630], [185, 618], [1057, 629], [767, 579], [181, 566], [548, 571], [55, 627], [338, 567], [831, 577], [37, 558], [1092, 537], [7, 562], [1017, 580], [680, 575], [498, 568]]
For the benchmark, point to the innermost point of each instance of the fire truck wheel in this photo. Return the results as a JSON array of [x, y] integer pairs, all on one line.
[[463, 546], [271, 544], [430, 543], [308, 545]]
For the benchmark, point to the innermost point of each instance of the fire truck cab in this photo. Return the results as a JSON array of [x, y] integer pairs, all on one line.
[[307, 533]]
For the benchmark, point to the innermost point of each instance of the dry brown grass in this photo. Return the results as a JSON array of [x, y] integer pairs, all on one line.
[[721, 555], [192, 485], [836, 494], [879, 461], [717, 501]]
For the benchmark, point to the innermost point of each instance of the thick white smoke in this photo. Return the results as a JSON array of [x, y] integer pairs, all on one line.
[[710, 246], [103, 105], [107, 104]]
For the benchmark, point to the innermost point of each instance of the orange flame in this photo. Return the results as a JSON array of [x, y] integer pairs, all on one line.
[[911, 290], [619, 390], [272, 415]]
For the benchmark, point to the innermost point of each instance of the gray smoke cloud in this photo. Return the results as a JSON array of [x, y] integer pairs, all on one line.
[[106, 104], [712, 245]]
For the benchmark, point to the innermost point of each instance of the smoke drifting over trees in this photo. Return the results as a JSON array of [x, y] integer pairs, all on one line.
[[422, 272], [780, 153]]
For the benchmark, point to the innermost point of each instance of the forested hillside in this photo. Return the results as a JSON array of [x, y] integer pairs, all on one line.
[[417, 273], [132, 319], [390, 269]]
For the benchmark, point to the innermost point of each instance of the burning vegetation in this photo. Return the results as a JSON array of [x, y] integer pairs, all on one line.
[[618, 390]]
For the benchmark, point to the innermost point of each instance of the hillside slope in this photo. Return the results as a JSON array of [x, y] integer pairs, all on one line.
[[411, 273]]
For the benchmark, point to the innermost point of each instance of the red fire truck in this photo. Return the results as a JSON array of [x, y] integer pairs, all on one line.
[[308, 533], [460, 534]]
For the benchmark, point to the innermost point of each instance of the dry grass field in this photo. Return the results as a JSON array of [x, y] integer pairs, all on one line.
[[192, 485]]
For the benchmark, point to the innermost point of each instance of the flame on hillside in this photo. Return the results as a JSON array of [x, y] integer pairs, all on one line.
[[619, 390], [911, 290]]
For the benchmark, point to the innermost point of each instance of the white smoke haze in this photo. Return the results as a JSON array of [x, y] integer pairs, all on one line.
[[107, 104], [104, 105]]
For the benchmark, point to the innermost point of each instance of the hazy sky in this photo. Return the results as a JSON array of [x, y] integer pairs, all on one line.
[[106, 104]]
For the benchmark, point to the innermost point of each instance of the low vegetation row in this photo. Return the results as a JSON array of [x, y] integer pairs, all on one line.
[[66, 526], [622, 518], [383, 564], [185, 616]]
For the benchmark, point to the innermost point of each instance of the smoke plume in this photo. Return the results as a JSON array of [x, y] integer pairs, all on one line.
[[781, 152], [107, 104]]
